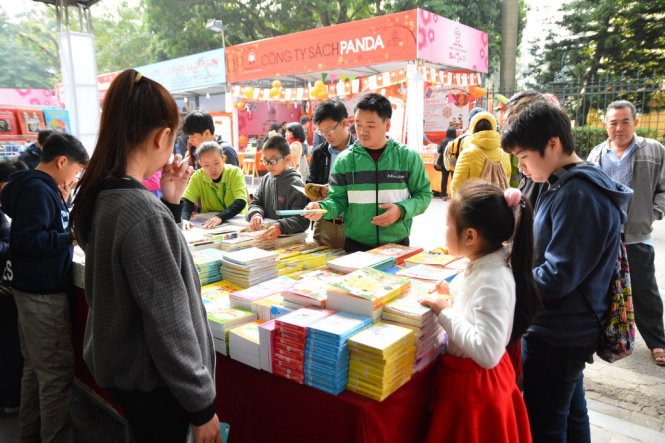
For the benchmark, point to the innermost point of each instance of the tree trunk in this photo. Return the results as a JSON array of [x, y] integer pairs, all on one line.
[[509, 21]]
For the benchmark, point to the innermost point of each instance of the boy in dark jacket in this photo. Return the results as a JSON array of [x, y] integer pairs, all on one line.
[[11, 363], [276, 192], [33, 152], [38, 269], [577, 230]]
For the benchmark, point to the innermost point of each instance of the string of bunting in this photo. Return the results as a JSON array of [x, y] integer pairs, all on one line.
[[349, 85]]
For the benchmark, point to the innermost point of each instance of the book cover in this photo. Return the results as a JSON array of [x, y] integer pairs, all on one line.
[[356, 260], [431, 258], [382, 338], [398, 252], [250, 255], [428, 272], [300, 319], [218, 290]]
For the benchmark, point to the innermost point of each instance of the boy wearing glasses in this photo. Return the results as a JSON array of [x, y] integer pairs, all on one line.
[[276, 192], [378, 184], [331, 119]]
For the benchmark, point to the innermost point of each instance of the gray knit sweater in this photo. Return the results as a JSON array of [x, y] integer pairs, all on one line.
[[147, 325]]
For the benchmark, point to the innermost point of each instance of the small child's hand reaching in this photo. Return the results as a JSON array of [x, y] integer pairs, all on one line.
[[436, 302], [442, 287]]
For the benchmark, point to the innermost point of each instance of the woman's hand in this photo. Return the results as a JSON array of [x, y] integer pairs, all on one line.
[[208, 432], [175, 177], [436, 302]]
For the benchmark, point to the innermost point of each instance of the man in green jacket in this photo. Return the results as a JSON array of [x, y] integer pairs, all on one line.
[[377, 184]]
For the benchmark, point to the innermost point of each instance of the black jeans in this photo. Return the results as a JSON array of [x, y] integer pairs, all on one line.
[[154, 416], [11, 360], [646, 298], [554, 391]]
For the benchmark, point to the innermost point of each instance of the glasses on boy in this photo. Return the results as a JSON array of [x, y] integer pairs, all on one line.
[[272, 162]]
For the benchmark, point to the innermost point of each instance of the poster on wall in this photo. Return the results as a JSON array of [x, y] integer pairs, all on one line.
[[255, 118], [31, 121], [8, 123], [443, 110], [223, 125], [57, 120]]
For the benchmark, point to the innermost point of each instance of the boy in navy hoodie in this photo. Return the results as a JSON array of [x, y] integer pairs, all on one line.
[[38, 269], [577, 229]]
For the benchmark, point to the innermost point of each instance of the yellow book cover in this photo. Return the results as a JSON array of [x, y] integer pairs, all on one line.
[[217, 290], [382, 339]]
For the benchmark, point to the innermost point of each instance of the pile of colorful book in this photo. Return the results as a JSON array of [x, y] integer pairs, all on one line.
[[381, 360], [244, 344], [304, 258], [249, 266], [407, 311], [327, 353], [207, 262], [222, 319], [311, 289], [219, 292], [289, 342], [262, 297], [280, 242], [365, 291]]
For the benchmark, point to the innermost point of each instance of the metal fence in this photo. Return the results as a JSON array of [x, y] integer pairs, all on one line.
[[586, 105]]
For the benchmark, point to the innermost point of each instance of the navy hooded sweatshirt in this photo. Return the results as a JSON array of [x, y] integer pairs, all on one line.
[[40, 251], [577, 229]]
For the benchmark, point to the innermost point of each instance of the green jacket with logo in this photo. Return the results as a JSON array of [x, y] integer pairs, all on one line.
[[358, 185]]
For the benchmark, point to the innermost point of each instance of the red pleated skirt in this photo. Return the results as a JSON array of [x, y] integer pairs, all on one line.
[[472, 404]]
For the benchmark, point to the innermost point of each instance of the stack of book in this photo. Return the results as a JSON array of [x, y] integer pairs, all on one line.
[[264, 306], [234, 244], [407, 311], [222, 320], [280, 242], [399, 252], [250, 266], [218, 292], [311, 289], [365, 291], [207, 262], [246, 297], [244, 344], [326, 352], [381, 360], [288, 356], [357, 260], [306, 260], [266, 340]]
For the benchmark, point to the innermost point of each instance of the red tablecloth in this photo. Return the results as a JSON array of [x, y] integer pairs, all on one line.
[[262, 407]]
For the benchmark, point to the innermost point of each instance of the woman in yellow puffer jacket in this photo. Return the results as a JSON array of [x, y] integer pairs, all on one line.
[[482, 145]]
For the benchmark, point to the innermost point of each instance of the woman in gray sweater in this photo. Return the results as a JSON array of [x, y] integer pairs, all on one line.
[[147, 340]]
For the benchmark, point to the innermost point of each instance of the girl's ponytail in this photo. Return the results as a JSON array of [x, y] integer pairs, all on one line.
[[527, 302]]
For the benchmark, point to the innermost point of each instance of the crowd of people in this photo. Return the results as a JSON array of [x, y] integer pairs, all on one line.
[[520, 319]]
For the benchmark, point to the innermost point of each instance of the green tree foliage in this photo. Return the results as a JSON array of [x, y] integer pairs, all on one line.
[[122, 40], [608, 38], [29, 53]]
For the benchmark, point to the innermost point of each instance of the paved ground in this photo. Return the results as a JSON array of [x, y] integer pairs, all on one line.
[[626, 399]]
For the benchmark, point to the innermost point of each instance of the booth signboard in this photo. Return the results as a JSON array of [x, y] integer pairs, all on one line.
[[404, 36], [29, 97], [57, 119], [191, 72]]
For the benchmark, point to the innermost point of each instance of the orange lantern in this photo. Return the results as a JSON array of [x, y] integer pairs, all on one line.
[[248, 92], [276, 84], [274, 92]]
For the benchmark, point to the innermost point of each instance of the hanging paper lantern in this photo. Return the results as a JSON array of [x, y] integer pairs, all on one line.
[[318, 84], [274, 92], [477, 91], [248, 92], [240, 105], [276, 84]]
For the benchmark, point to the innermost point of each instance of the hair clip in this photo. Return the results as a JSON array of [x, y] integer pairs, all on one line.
[[138, 77], [513, 197]]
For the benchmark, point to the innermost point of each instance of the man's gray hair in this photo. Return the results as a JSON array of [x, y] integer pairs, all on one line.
[[621, 104]]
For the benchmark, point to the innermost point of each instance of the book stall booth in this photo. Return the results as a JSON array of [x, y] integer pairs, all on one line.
[[23, 113], [313, 344], [428, 66]]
